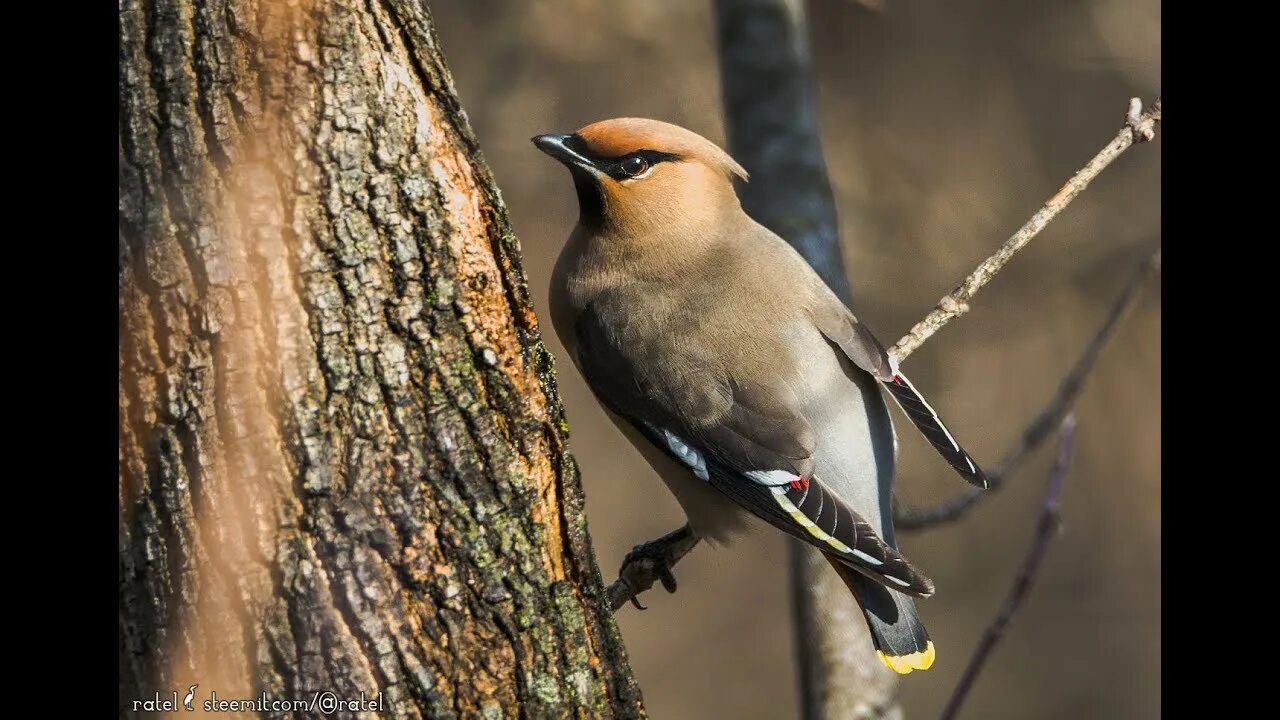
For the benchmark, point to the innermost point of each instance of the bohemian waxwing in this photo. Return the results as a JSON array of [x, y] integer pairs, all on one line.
[[738, 374]]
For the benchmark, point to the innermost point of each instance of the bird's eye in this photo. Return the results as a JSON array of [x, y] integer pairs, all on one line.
[[634, 166]]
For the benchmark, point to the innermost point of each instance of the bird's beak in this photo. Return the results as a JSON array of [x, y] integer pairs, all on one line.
[[557, 146]]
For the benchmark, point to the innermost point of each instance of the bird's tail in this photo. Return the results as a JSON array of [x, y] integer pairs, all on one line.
[[900, 639]]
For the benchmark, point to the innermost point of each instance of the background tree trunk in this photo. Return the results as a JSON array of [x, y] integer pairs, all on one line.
[[772, 123], [343, 462]]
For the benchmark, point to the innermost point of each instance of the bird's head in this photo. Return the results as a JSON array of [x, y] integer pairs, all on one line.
[[639, 175]]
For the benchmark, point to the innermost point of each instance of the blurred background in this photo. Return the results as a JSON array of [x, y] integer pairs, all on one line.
[[945, 125]]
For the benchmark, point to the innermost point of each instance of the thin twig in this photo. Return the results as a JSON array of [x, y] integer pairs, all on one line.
[[1045, 530], [906, 517], [1139, 127]]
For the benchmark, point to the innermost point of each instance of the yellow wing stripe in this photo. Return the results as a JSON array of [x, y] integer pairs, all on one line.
[[804, 522]]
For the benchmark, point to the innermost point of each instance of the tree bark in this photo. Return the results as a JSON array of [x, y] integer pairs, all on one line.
[[343, 460], [772, 126]]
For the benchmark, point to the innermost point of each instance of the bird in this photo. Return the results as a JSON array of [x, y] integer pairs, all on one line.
[[189, 698], [737, 373]]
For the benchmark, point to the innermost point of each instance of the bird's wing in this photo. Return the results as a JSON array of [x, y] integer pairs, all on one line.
[[812, 511], [853, 338], [744, 438]]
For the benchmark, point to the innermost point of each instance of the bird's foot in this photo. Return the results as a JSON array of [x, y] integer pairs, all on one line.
[[649, 562], [654, 563]]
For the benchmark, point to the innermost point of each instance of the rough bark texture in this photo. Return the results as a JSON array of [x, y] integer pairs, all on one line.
[[771, 123], [343, 463]]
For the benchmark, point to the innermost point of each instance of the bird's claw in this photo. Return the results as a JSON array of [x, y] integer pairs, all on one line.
[[656, 555]]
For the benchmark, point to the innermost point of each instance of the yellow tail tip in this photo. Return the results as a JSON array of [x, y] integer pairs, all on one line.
[[903, 664]]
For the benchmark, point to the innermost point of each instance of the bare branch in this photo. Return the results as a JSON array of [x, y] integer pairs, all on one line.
[[1139, 127], [1045, 530], [918, 518]]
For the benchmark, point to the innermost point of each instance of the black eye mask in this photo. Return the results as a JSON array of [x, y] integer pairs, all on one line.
[[620, 168]]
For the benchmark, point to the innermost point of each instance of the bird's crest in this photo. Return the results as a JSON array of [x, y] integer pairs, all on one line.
[[621, 136]]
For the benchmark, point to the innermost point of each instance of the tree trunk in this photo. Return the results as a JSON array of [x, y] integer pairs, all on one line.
[[772, 124], [343, 461]]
